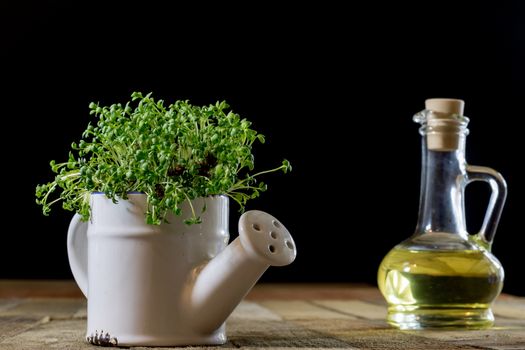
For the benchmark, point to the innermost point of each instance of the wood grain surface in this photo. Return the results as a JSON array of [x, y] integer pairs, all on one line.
[[52, 315]]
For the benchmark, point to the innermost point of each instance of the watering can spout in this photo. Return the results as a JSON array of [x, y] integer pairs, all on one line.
[[222, 283]]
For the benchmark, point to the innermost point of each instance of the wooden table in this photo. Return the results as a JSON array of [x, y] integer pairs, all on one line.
[[52, 315]]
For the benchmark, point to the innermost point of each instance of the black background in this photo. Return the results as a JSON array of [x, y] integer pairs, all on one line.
[[333, 89]]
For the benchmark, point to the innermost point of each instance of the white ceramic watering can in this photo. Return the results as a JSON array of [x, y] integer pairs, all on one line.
[[171, 284]]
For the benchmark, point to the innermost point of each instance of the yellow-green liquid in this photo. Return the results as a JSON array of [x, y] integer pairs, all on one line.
[[426, 288]]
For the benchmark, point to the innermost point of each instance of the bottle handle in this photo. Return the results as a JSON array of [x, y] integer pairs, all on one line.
[[497, 200], [77, 252]]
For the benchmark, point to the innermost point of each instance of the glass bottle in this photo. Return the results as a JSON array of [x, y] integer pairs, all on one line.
[[442, 276]]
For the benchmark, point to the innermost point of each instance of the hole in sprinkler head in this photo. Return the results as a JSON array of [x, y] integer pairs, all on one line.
[[273, 234], [271, 248], [256, 227], [276, 223], [289, 244]]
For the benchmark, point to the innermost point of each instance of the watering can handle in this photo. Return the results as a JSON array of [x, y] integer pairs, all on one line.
[[497, 200], [77, 252]]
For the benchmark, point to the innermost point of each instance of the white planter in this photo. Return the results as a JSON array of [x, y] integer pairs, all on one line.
[[168, 285]]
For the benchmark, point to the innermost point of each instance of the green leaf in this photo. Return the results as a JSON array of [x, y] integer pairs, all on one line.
[[173, 154]]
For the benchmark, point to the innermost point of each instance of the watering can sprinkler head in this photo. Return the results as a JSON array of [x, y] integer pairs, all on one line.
[[226, 279]]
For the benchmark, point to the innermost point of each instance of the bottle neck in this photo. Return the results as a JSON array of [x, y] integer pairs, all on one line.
[[442, 190]]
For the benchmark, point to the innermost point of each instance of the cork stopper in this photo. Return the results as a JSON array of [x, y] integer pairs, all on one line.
[[444, 123], [446, 106]]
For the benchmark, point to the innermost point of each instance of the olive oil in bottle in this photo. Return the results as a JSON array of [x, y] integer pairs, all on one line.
[[442, 276], [442, 286]]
